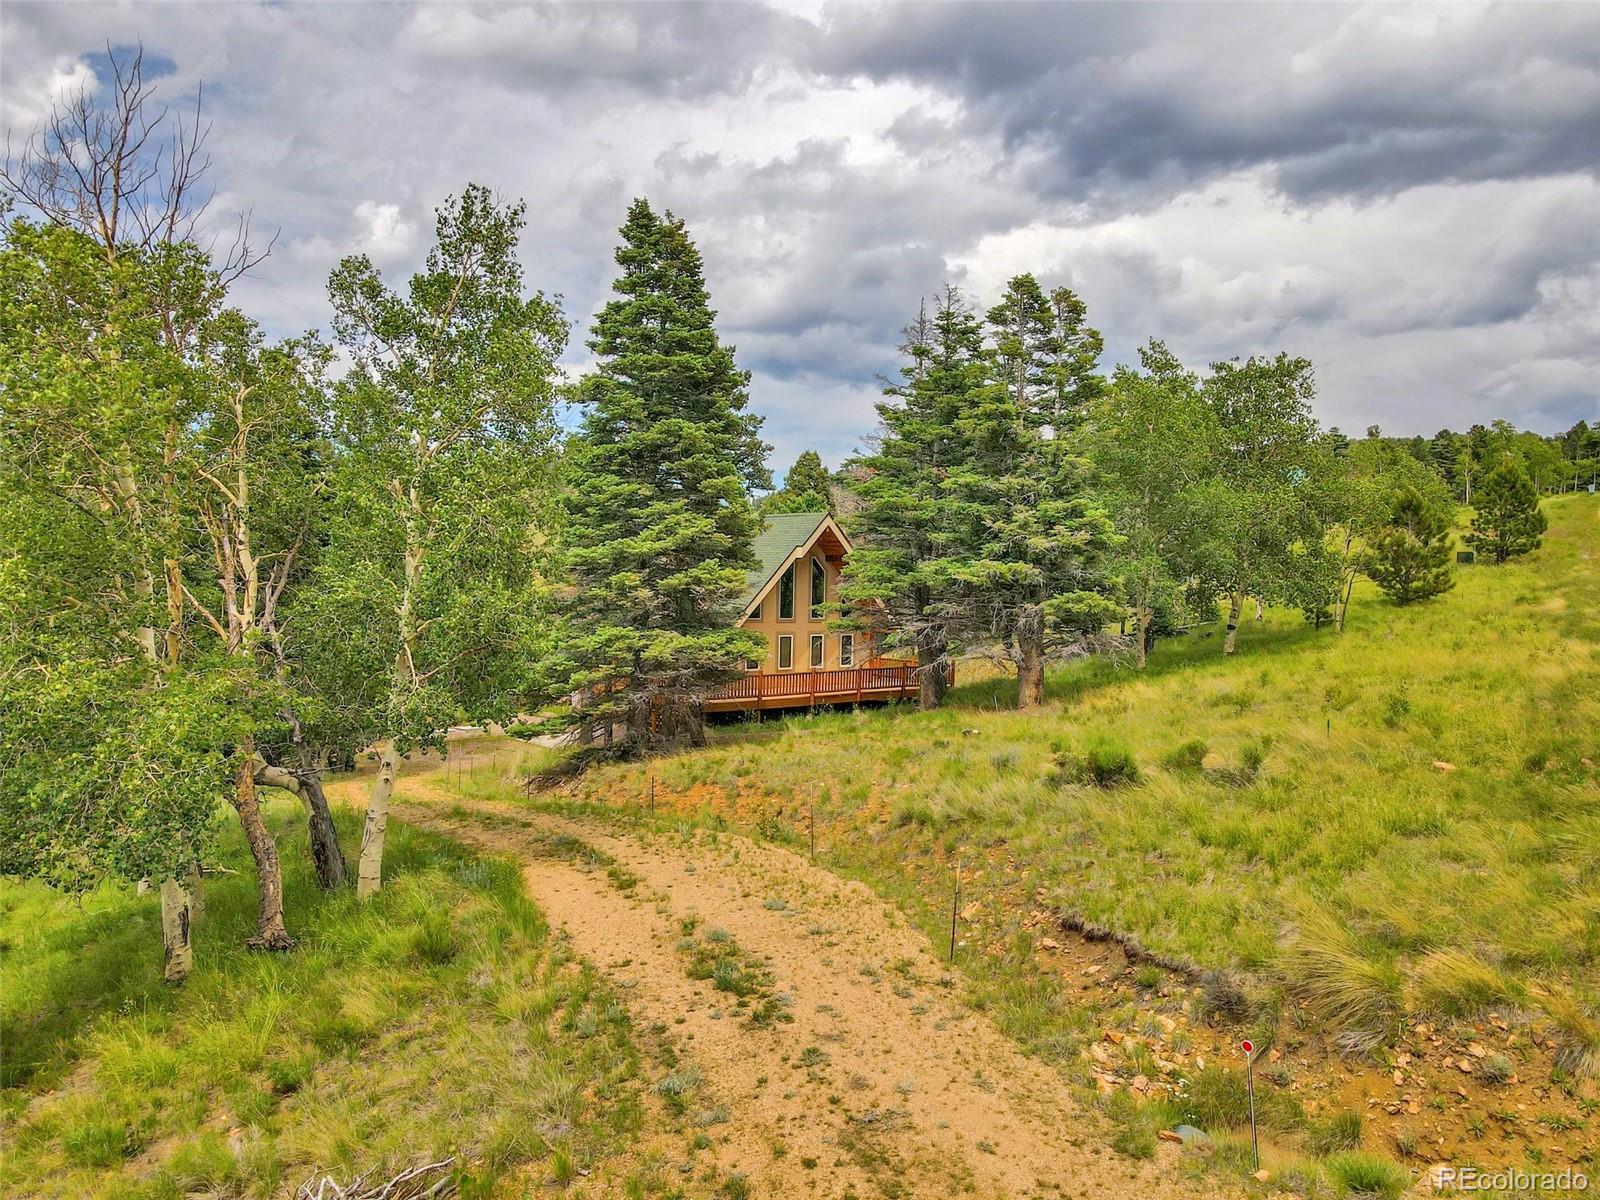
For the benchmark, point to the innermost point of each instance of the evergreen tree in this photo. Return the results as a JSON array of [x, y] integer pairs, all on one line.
[[1029, 539], [1409, 556], [1507, 520], [806, 488], [660, 527], [1446, 454], [901, 565]]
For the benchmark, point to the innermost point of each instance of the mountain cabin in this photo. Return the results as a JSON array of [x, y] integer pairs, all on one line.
[[799, 558]]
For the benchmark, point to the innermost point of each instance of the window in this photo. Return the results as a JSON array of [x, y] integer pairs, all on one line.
[[785, 651], [755, 613], [847, 649], [816, 650], [786, 594], [819, 587]]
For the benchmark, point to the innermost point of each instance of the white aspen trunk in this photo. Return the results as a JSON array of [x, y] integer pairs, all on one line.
[[1141, 635], [1235, 607], [1347, 582], [369, 877], [271, 933], [197, 894], [176, 917], [1261, 610]]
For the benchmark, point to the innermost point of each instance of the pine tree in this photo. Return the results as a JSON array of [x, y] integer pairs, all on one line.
[[901, 565], [1507, 521], [660, 526], [806, 488], [1028, 538], [1409, 556]]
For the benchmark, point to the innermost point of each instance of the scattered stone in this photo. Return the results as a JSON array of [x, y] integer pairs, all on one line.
[[1440, 765], [1465, 1066], [1141, 1084], [1399, 1077], [1049, 944], [1478, 1050], [1263, 1175], [1170, 1135], [1192, 1136], [1114, 1037]]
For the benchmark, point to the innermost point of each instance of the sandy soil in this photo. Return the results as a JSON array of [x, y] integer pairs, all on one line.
[[883, 1084]]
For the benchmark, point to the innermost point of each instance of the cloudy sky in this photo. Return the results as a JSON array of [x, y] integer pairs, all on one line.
[[1410, 196]]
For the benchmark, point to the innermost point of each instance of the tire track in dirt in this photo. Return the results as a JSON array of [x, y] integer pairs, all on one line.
[[883, 1084]]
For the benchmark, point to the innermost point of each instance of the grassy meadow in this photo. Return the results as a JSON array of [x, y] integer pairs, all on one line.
[[1401, 819], [440, 1019]]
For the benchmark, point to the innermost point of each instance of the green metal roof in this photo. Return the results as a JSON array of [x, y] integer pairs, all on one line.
[[773, 546]]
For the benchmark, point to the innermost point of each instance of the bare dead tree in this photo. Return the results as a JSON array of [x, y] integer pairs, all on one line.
[[125, 171]]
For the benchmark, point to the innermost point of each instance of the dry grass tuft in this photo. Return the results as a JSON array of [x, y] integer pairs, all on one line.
[[1353, 993]]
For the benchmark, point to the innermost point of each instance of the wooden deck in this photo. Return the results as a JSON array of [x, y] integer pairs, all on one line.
[[879, 680]]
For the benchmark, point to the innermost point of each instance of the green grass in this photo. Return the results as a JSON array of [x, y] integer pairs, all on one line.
[[1292, 788], [441, 1018]]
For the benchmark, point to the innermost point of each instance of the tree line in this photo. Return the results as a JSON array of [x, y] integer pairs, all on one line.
[[227, 566]]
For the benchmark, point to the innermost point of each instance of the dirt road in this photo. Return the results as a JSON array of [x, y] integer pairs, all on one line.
[[877, 1081]]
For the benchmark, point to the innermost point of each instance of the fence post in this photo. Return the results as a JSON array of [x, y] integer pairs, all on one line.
[[955, 911]]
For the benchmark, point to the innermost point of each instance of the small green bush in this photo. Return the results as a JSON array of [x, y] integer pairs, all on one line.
[[1342, 1131], [1108, 762], [434, 941], [1135, 1141], [95, 1142], [1363, 1174], [1186, 757]]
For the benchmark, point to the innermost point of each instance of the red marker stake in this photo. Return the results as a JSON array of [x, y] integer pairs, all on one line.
[[1250, 1083]]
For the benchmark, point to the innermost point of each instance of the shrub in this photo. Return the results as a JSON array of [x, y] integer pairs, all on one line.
[[1364, 1174], [1221, 996], [1186, 757], [1496, 1068], [1342, 1131], [1135, 1141], [1454, 983], [1355, 995], [434, 941], [1578, 1049], [95, 1142], [1217, 1098], [1108, 762]]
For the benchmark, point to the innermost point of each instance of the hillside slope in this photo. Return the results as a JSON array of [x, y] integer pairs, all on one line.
[[1371, 833]]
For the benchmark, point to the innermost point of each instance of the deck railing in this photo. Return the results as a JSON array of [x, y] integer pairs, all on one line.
[[873, 681]]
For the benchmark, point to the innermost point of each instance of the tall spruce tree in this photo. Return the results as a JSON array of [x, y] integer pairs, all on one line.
[[1507, 520], [1029, 539], [806, 488], [900, 566], [660, 524], [1409, 556]]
